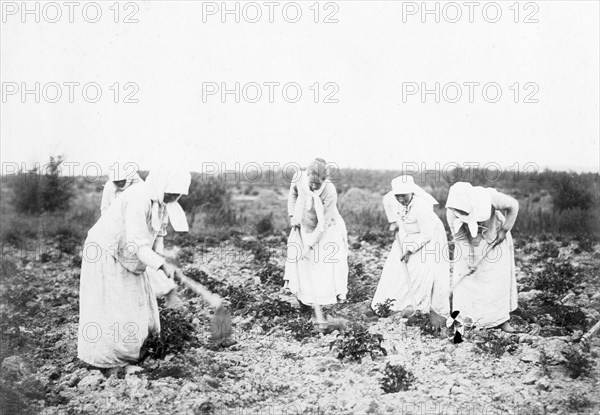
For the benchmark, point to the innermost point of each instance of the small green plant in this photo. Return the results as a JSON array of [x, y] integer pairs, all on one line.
[[384, 309], [272, 312], [396, 378], [495, 344], [301, 328], [357, 342], [578, 363], [271, 274]]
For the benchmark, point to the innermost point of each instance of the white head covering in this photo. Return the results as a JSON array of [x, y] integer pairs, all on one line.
[[405, 184], [476, 201], [123, 171], [169, 180]]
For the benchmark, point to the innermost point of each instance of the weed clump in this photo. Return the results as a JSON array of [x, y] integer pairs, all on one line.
[[177, 334], [355, 343], [270, 313], [396, 378], [556, 279], [578, 363], [495, 344], [271, 274], [358, 289], [301, 328], [384, 309]]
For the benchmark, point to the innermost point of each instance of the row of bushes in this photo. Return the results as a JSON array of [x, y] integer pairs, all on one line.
[[48, 195]]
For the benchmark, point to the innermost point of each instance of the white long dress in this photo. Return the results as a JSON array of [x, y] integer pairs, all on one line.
[[421, 232], [489, 294], [323, 278], [117, 305]]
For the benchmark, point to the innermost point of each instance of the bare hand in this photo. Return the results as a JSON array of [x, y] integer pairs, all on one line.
[[306, 252], [500, 237], [405, 257], [393, 227], [168, 269]]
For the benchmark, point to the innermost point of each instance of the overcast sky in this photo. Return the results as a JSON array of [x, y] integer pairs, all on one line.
[[370, 61]]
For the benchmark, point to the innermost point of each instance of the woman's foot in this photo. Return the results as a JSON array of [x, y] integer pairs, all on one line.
[[131, 369], [506, 327]]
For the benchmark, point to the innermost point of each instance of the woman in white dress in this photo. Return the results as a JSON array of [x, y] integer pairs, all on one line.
[[484, 280], [316, 270], [416, 274], [121, 176], [117, 306]]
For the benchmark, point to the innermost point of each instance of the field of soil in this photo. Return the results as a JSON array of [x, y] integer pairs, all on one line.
[[281, 364]]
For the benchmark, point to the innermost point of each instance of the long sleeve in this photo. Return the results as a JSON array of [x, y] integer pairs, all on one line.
[[329, 198], [159, 245], [329, 214], [138, 238], [292, 197], [451, 219], [506, 204], [426, 225], [390, 206], [108, 196]]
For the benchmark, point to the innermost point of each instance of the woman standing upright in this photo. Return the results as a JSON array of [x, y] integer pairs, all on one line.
[[316, 270], [117, 306], [484, 281], [416, 273]]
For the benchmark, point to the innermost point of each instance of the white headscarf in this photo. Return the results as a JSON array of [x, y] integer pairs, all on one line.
[[405, 184], [476, 201], [169, 180]]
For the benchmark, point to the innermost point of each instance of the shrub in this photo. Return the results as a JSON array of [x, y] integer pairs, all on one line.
[[43, 191], [357, 342], [396, 378], [265, 224], [16, 230]]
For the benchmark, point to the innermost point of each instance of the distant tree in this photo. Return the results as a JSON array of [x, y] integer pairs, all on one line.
[[38, 191]]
